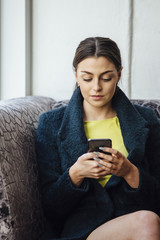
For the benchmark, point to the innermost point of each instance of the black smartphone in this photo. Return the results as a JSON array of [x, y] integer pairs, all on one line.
[[94, 144]]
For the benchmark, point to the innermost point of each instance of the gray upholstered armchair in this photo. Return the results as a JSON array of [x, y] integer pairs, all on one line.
[[21, 216]]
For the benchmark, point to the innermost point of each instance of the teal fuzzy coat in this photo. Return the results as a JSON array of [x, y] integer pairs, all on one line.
[[73, 212]]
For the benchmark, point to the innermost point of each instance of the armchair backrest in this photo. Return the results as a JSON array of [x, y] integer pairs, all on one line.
[[21, 215], [154, 104]]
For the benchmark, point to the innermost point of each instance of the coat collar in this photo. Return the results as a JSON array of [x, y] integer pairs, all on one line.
[[133, 126], [72, 132]]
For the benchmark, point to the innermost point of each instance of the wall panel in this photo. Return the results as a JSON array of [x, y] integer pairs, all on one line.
[[146, 49], [59, 26], [12, 48]]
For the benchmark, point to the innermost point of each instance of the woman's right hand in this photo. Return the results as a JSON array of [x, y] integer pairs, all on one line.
[[86, 167]]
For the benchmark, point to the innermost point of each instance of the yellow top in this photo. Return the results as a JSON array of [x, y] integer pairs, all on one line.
[[108, 128]]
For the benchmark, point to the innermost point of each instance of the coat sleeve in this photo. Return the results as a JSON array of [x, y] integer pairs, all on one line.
[[147, 195], [59, 195]]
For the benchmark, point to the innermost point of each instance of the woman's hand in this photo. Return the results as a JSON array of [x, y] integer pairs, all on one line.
[[96, 165], [119, 165], [87, 166]]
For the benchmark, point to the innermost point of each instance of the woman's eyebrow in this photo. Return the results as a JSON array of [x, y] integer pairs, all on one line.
[[100, 74], [86, 72]]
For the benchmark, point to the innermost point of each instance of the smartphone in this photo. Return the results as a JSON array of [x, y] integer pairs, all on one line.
[[94, 144]]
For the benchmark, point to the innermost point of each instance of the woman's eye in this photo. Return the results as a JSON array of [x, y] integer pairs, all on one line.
[[87, 79], [106, 79]]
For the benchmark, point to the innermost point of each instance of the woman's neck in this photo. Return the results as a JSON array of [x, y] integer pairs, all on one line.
[[97, 113]]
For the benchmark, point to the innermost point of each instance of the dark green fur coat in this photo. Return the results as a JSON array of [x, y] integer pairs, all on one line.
[[72, 212]]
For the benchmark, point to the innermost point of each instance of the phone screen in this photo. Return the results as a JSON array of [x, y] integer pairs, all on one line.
[[94, 144]]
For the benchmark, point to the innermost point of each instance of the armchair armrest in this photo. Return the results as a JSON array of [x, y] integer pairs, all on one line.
[[21, 215]]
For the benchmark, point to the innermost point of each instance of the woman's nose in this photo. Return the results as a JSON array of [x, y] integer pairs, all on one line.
[[97, 85]]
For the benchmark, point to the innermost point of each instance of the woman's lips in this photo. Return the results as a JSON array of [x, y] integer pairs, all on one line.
[[97, 97]]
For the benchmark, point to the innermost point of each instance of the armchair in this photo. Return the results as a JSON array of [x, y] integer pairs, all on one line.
[[21, 215]]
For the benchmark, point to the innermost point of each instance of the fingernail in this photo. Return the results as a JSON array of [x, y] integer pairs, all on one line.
[[96, 153], [102, 148], [99, 165], [96, 159]]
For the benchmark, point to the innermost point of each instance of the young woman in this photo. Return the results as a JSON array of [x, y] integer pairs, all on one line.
[[92, 195]]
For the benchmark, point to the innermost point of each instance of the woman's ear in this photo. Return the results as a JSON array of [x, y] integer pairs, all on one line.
[[75, 74], [74, 71], [119, 74], [77, 83]]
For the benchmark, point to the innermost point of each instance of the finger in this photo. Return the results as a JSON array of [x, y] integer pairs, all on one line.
[[104, 173], [97, 170], [107, 160], [107, 165], [100, 174], [96, 154], [112, 151], [97, 160], [99, 165], [95, 163], [88, 156], [106, 157], [104, 163]]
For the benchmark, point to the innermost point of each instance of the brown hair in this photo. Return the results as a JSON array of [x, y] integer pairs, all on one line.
[[98, 47]]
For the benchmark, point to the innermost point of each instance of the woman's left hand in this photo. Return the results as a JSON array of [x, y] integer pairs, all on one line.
[[119, 165]]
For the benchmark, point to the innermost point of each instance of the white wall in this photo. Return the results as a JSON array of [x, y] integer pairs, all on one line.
[[146, 50], [12, 48], [59, 26]]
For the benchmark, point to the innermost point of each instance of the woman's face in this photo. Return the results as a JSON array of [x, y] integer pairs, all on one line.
[[97, 78]]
